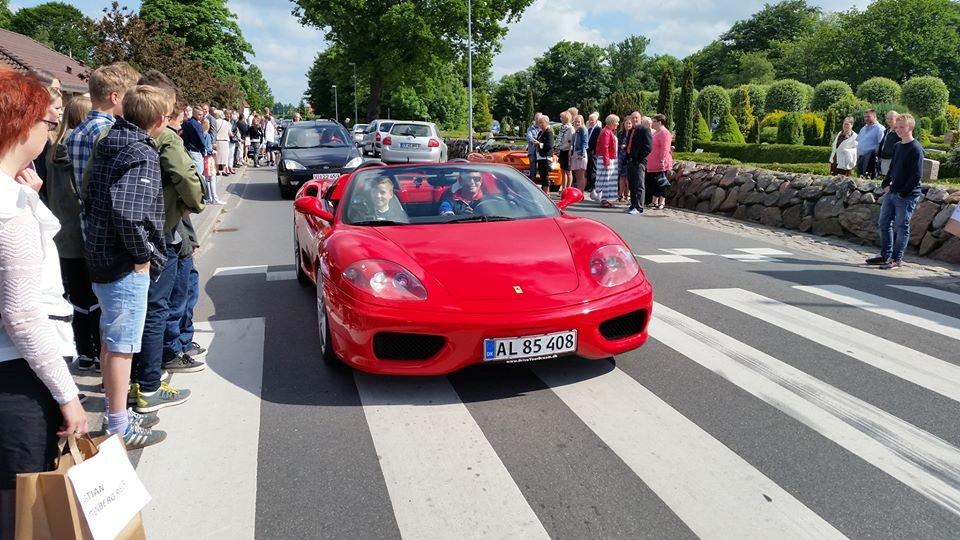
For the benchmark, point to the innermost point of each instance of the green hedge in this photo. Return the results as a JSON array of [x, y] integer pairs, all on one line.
[[767, 153]]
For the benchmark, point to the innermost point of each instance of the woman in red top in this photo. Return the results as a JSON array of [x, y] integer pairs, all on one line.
[[607, 169], [659, 161]]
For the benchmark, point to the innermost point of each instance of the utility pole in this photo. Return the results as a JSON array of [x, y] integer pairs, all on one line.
[[336, 104], [470, 74], [356, 118]]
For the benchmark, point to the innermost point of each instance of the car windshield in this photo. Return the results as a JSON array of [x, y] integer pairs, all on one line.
[[411, 130], [315, 137], [388, 196]]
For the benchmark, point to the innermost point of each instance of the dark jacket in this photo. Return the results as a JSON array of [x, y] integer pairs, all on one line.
[[580, 141], [182, 188], [592, 141], [192, 133], [906, 169], [889, 144], [641, 145], [64, 202], [545, 137], [189, 236], [123, 204]]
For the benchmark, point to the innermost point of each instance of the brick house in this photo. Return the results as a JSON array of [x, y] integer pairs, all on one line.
[[22, 53]]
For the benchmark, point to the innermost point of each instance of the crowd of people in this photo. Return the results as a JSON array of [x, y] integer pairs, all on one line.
[[614, 162], [96, 252]]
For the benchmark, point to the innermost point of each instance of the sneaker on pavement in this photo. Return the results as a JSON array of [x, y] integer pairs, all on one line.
[[165, 396], [183, 363], [85, 363], [633, 211], [891, 265], [165, 376], [143, 420], [877, 261], [141, 437], [195, 350]]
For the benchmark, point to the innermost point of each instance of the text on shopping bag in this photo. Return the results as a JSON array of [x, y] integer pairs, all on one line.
[[108, 489]]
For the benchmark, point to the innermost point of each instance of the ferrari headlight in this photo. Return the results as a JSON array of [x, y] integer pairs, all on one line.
[[385, 279], [354, 163], [292, 165], [613, 265]]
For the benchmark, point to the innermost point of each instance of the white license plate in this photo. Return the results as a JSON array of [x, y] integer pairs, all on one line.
[[326, 176], [530, 347], [409, 145]]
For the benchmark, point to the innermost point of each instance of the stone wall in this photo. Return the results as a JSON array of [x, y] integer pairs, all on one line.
[[824, 205]]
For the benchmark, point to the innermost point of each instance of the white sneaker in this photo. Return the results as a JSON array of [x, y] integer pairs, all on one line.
[[633, 211]]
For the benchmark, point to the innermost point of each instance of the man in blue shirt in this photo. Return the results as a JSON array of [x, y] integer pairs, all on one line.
[[532, 133], [902, 191], [868, 142], [192, 133]]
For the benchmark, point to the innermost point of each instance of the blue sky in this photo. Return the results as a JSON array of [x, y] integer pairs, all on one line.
[[285, 50]]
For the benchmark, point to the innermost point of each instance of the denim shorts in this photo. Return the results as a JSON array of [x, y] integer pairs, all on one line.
[[123, 310]]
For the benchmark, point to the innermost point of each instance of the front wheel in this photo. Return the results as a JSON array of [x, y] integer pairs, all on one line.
[[323, 325]]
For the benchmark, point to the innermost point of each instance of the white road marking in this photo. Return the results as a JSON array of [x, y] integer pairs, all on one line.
[[711, 488], [282, 275], [211, 493], [444, 478], [914, 366], [240, 270], [687, 252], [748, 257], [763, 251], [668, 258], [939, 294], [922, 461], [904, 313]]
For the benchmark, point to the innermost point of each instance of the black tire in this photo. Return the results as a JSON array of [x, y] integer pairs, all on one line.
[[302, 276], [327, 353], [330, 358]]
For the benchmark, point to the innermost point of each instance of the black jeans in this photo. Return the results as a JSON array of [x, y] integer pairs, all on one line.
[[29, 418], [86, 310], [867, 165], [591, 172], [148, 363], [543, 167], [635, 178]]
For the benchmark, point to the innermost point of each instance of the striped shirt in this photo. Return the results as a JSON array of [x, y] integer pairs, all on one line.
[[80, 142]]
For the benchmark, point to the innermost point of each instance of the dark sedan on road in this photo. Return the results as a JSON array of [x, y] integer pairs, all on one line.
[[315, 150]]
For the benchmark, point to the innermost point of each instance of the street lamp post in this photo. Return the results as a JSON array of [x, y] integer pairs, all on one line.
[[336, 104], [356, 117], [470, 74]]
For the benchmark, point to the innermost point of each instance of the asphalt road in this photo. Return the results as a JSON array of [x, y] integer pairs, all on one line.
[[786, 396]]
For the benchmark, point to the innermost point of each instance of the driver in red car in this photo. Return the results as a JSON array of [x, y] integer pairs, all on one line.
[[465, 199]]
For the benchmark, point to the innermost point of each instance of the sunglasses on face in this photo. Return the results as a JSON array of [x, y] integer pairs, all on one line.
[[474, 179]]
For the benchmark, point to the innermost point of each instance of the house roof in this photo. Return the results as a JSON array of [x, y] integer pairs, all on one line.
[[23, 54]]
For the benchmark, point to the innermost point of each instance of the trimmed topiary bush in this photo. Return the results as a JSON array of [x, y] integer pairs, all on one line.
[[926, 96], [742, 109], [701, 131], [828, 134], [772, 119], [753, 135], [768, 153], [953, 117], [848, 106], [879, 90], [924, 126], [713, 100], [813, 124], [829, 92], [758, 98], [884, 108], [728, 130], [939, 126], [790, 129], [683, 125], [788, 95], [768, 135]]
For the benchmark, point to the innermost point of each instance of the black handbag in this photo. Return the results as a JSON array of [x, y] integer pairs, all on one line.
[[662, 181]]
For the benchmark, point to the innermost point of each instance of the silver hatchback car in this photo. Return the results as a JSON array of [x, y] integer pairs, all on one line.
[[413, 142]]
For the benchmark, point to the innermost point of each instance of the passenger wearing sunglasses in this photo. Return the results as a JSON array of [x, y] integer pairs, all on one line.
[[465, 199]]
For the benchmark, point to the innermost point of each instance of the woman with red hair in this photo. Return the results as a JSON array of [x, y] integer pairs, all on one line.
[[38, 398]]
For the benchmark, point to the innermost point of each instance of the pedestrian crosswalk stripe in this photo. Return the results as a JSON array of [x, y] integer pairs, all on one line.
[[749, 257], [763, 251], [444, 478], [905, 313], [668, 258], [713, 490], [240, 270], [687, 252], [914, 366], [918, 459], [939, 294]]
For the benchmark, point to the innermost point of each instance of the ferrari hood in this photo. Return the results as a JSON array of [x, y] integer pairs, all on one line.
[[509, 259]]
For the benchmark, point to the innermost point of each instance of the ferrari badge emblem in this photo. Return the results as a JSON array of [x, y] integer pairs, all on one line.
[[517, 289]]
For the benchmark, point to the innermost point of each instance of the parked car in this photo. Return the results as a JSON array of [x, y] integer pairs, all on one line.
[[407, 286], [372, 136], [357, 133], [512, 151], [314, 150], [413, 142]]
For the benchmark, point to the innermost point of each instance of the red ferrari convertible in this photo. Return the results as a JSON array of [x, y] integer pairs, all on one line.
[[426, 269]]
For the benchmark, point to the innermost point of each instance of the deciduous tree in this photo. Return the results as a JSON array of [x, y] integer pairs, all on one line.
[[61, 26]]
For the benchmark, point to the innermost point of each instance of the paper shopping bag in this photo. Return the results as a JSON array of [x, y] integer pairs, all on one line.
[[47, 507], [953, 224]]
